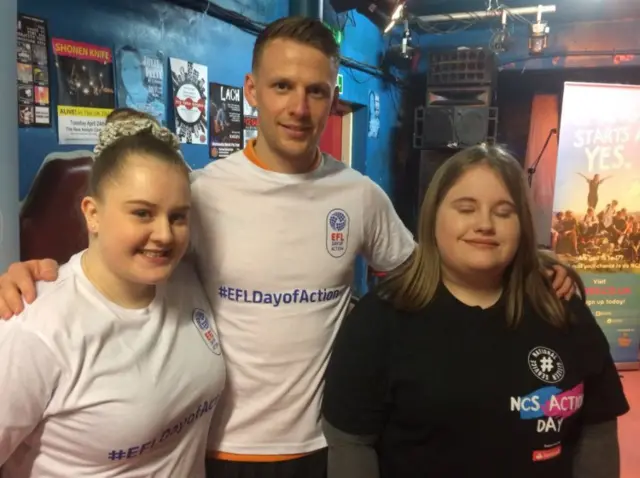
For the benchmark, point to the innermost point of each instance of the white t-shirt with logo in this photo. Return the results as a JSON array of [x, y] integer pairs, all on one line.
[[277, 254], [94, 390]]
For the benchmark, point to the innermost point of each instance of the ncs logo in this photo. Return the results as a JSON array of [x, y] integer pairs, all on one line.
[[549, 402], [549, 406]]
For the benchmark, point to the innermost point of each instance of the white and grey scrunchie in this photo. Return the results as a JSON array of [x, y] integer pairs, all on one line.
[[119, 129]]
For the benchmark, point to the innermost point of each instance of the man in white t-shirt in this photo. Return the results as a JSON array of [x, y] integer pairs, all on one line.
[[277, 228]]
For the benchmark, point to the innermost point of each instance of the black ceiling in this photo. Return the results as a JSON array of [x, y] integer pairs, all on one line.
[[567, 10]]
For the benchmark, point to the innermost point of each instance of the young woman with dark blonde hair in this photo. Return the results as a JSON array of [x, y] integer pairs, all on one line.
[[116, 368], [466, 363]]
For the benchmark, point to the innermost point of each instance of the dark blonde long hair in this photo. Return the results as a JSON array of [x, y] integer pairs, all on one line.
[[414, 285]]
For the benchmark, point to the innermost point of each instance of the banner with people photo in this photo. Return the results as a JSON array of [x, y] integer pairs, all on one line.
[[190, 86], [225, 123], [596, 211], [140, 81], [85, 90]]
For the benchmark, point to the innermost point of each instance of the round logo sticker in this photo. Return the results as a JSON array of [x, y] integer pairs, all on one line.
[[206, 331], [546, 365], [337, 232], [200, 319]]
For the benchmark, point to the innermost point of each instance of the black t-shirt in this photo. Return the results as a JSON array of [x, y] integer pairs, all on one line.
[[620, 223], [569, 224], [452, 392]]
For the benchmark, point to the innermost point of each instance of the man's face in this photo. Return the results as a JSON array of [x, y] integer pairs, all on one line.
[[293, 89]]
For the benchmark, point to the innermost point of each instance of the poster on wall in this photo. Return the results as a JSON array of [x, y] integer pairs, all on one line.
[[596, 209], [85, 90], [250, 119], [190, 82], [34, 104], [140, 81], [225, 123], [373, 126]]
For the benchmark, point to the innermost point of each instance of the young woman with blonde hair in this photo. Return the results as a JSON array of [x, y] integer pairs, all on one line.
[[116, 368], [466, 363]]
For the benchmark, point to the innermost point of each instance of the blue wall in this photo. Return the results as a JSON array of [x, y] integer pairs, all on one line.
[[150, 25], [371, 156], [225, 49]]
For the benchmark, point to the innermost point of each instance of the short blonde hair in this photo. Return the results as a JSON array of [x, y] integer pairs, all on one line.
[[305, 30]]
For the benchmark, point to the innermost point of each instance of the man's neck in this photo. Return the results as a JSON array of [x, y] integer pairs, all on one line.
[[278, 164]]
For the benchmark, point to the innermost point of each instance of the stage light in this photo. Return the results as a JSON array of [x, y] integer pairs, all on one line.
[[384, 14], [538, 38], [398, 14], [538, 35], [500, 40], [398, 11], [401, 56]]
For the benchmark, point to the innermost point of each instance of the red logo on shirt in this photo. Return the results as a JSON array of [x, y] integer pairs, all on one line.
[[548, 454]]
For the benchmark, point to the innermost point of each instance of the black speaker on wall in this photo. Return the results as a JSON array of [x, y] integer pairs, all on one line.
[[455, 126], [459, 99], [459, 96], [462, 66]]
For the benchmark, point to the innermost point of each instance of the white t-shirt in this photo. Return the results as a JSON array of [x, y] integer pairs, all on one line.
[[94, 390], [277, 255]]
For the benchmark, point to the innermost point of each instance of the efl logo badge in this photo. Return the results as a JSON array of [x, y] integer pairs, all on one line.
[[337, 232], [546, 364], [207, 333]]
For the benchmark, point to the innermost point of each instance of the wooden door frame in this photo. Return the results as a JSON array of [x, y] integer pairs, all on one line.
[[346, 111]]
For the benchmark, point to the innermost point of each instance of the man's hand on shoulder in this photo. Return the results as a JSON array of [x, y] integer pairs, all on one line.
[[563, 278], [19, 284]]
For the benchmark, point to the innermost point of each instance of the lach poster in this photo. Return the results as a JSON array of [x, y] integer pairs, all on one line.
[[250, 118], [190, 84], [140, 81], [226, 120], [34, 104], [596, 211], [85, 90]]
